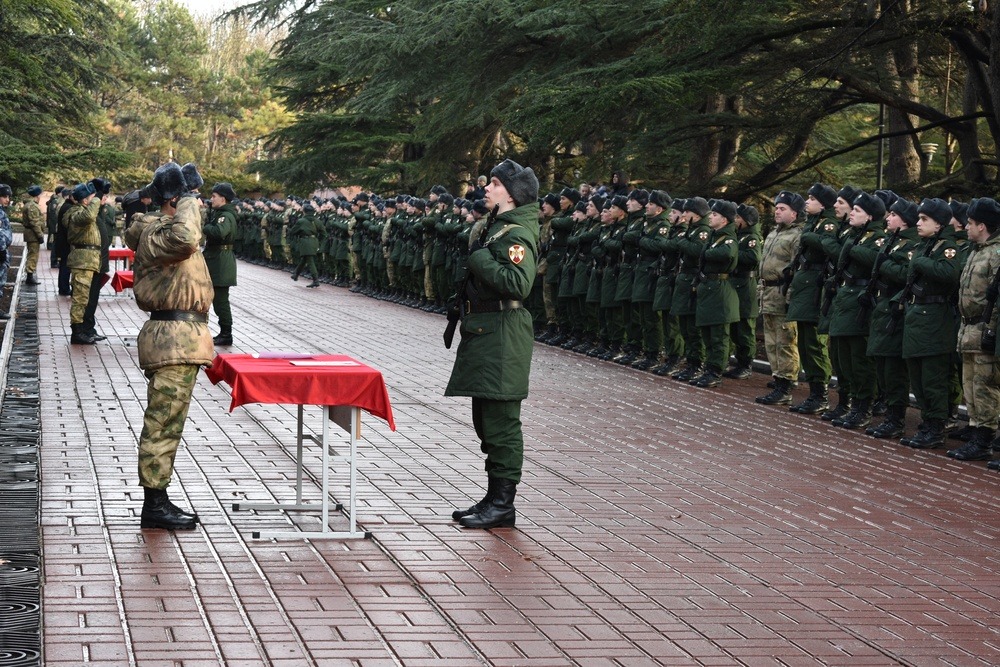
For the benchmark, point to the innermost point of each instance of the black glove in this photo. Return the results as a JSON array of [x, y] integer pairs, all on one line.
[[988, 343], [476, 245]]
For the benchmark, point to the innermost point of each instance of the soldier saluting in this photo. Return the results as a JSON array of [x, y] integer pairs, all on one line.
[[494, 355]]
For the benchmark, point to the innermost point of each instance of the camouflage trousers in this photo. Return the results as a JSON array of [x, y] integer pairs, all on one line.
[[32, 262], [80, 281], [168, 398], [781, 344], [981, 385], [549, 299]]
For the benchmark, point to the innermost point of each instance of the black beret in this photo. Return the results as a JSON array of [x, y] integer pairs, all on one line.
[[888, 197], [985, 211], [824, 194], [749, 213], [224, 190], [191, 176], [620, 201], [34, 190], [873, 206], [639, 195], [906, 210], [937, 209], [678, 204], [726, 209], [552, 199], [570, 194], [696, 205], [479, 206], [849, 194], [520, 182], [598, 202], [446, 199], [792, 200], [960, 211], [661, 198]]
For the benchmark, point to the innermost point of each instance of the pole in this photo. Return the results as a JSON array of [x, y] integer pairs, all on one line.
[[881, 146]]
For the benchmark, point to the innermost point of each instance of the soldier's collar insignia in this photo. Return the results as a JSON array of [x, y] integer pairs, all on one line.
[[516, 253]]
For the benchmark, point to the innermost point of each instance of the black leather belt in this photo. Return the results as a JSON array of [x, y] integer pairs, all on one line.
[[821, 266], [972, 320], [922, 300], [492, 306], [857, 282], [716, 276], [178, 316], [741, 274], [773, 283], [218, 247], [86, 247]]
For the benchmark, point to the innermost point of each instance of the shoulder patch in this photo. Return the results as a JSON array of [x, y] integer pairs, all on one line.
[[728, 241], [516, 253], [752, 243], [664, 231], [829, 227], [879, 242], [703, 236], [909, 255], [950, 253]]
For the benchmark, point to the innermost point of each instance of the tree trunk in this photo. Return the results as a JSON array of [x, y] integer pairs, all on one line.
[[704, 164], [902, 68]]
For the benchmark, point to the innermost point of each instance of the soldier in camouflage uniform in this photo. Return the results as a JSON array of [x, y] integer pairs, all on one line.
[[781, 247], [977, 288], [6, 236], [172, 283], [34, 232], [547, 210], [84, 260]]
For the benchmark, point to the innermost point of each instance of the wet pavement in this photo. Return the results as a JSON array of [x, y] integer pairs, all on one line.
[[658, 524]]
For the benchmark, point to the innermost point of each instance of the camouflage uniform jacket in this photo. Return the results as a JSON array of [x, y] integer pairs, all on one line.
[[981, 266], [780, 248], [171, 274], [82, 230], [34, 231]]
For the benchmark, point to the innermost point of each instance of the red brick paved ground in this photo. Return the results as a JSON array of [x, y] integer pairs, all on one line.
[[658, 524]]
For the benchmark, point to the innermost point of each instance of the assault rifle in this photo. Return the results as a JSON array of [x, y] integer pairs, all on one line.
[[988, 342], [867, 299], [899, 310], [457, 310]]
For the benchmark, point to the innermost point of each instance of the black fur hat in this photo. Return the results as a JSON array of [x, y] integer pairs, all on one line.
[[446, 199], [225, 190], [959, 211], [697, 205], [985, 211], [570, 194], [598, 202], [906, 210], [479, 206], [726, 209], [874, 206], [641, 196], [824, 194], [749, 213], [849, 193], [168, 183], [34, 190], [621, 201], [937, 209], [792, 200], [520, 182], [661, 198], [192, 178]]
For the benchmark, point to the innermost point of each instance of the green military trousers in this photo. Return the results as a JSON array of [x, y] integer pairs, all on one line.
[[716, 339], [743, 334], [929, 383], [168, 397], [813, 353], [498, 426], [894, 379], [223, 310], [856, 371], [694, 343], [651, 327], [673, 342]]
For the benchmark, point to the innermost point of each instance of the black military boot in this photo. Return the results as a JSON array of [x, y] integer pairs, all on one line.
[[891, 426], [963, 434], [295, 274], [839, 412], [30, 279], [667, 367], [780, 395], [977, 448], [585, 345], [879, 406], [224, 338], [741, 371], [599, 349], [550, 331], [647, 361], [159, 512], [629, 354], [711, 378], [491, 491], [859, 417], [816, 402], [931, 437], [314, 283], [689, 372], [613, 351], [80, 336], [499, 513], [572, 341]]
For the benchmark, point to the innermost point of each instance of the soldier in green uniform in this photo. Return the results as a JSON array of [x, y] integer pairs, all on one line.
[[219, 231], [52, 223], [574, 313], [583, 269], [549, 206], [634, 221], [718, 305], [306, 235], [804, 284], [172, 283], [885, 343], [656, 226], [34, 232], [959, 221], [561, 226], [494, 356], [683, 305], [929, 326], [781, 247], [666, 272], [610, 252], [848, 331], [743, 332]]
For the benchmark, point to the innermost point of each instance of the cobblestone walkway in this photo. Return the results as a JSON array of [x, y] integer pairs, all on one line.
[[658, 524]]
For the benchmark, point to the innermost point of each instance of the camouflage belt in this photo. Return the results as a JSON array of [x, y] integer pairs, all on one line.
[[178, 316]]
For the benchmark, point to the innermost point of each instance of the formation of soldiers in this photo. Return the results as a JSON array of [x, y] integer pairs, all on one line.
[[868, 288]]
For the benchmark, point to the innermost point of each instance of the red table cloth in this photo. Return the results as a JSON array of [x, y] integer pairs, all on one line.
[[122, 280], [121, 253], [277, 379]]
